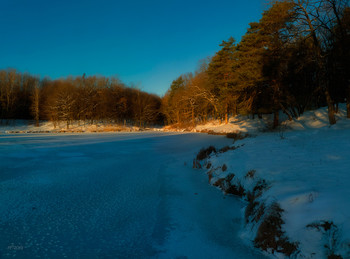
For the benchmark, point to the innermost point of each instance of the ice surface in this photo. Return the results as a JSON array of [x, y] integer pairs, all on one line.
[[124, 195]]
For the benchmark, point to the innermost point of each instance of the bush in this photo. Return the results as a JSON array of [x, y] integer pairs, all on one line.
[[219, 183], [270, 234], [235, 190], [250, 209], [237, 135], [331, 234], [224, 167], [208, 165], [260, 186], [254, 210], [250, 174], [227, 148], [205, 153]]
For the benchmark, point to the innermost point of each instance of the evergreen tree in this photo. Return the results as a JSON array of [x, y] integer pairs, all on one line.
[[220, 76]]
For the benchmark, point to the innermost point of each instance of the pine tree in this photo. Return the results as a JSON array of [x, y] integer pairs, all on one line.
[[220, 75], [275, 31]]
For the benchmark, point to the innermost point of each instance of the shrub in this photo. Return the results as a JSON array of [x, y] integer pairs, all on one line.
[[208, 165], [250, 174], [259, 187], [270, 234], [210, 175], [205, 153], [259, 213], [219, 183], [224, 167], [227, 148], [235, 190], [253, 208], [237, 135], [211, 132], [330, 233], [224, 183], [196, 164], [250, 210]]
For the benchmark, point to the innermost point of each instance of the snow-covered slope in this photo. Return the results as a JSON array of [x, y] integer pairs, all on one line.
[[238, 123], [309, 120], [300, 176]]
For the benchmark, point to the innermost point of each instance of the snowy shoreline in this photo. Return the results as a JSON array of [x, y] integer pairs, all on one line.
[[295, 186], [25, 126]]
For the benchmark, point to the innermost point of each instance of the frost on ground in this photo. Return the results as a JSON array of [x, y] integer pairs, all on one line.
[[295, 184], [113, 195]]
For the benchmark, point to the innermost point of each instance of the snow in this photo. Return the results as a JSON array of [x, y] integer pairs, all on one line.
[[26, 126], [307, 168], [246, 124], [136, 195], [238, 123], [114, 195]]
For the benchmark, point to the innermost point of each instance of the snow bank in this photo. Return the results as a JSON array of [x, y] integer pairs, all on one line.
[[305, 173], [25, 126], [238, 123], [309, 120]]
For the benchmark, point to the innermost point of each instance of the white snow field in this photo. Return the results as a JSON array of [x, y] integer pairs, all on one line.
[[120, 195], [306, 170]]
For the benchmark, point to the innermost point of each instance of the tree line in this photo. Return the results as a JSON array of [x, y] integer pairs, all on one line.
[[88, 99], [295, 58]]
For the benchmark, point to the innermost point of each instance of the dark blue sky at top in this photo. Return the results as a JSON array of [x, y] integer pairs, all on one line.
[[144, 43]]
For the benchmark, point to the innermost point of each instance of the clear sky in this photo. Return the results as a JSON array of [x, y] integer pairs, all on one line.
[[145, 42]]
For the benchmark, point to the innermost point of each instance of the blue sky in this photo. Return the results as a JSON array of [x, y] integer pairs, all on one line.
[[146, 43]]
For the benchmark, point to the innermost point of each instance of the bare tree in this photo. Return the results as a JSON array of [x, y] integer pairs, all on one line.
[[316, 19], [35, 107]]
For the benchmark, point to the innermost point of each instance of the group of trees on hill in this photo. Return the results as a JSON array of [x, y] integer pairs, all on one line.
[[295, 58], [89, 99]]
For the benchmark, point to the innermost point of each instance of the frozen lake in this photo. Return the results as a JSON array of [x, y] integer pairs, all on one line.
[[125, 195]]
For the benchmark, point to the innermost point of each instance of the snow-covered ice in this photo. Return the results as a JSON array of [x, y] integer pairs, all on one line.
[[124, 195]]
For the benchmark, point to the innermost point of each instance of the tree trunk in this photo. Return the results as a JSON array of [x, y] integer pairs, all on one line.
[[276, 116], [348, 104], [192, 112], [226, 113], [234, 110], [290, 117], [331, 110], [35, 96], [177, 117]]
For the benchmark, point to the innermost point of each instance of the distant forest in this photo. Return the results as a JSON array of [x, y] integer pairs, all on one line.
[[294, 59], [90, 99]]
